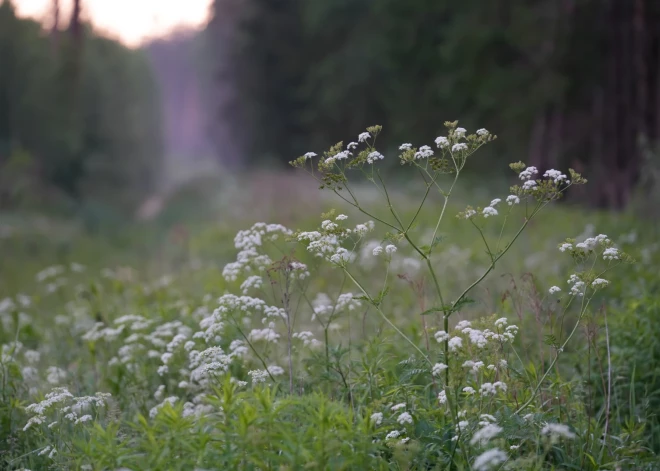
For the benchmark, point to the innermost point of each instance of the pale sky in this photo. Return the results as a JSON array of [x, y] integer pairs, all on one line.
[[132, 21]]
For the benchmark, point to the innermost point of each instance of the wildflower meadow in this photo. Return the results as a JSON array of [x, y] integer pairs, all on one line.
[[408, 319]]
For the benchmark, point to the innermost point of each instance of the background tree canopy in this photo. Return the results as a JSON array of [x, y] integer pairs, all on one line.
[[563, 82], [79, 116]]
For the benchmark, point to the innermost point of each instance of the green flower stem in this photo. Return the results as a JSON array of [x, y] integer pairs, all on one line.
[[364, 291], [554, 361]]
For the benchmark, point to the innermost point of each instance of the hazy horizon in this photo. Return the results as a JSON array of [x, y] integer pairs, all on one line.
[[133, 22]]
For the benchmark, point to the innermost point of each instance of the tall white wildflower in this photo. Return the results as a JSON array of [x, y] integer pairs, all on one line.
[[485, 434], [489, 459]]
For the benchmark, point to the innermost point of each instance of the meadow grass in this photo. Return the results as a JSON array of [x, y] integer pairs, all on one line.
[[187, 346]]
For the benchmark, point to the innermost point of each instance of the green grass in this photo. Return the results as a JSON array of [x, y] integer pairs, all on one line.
[[169, 272]]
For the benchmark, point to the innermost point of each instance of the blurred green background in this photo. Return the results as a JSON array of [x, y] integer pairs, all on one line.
[[92, 128]]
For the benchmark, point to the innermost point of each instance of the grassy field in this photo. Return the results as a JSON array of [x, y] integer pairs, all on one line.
[[150, 346]]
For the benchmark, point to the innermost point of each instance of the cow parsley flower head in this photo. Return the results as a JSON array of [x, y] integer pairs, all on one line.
[[390, 249], [424, 152], [611, 253], [501, 322], [442, 142], [469, 390], [555, 175], [462, 425], [489, 460], [554, 289], [438, 368], [485, 434], [600, 283], [377, 418], [459, 132], [364, 136], [351, 145], [341, 217], [405, 418], [557, 431], [512, 199], [396, 407], [455, 343], [84, 418], [374, 156], [489, 211], [310, 155], [565, 246], [495, 202], [342, 256], [482, 132], [459, 147], [392, 434], [441, 336], [529, 185], [528, 173], [442, 397], [377, 251], [406, 146]]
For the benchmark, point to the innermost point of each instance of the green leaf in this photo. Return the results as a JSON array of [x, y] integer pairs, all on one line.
[[432, 310]]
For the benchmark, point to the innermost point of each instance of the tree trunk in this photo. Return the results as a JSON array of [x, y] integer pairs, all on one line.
[[56, 25], [74, 25]]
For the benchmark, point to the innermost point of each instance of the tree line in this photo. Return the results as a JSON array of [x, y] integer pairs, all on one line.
[[562, 82], [79, 115]]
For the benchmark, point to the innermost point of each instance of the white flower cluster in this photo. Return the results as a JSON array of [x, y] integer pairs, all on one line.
[[442, 142], [478, 337], [611, 253], [324, 308], [254, 281], [590, 244], [490, 459], [60, 397], [557, 431], [207, 363], [438, 368], [474, 365], [50, 272], [485, 434], [264, 335], [405, 418], [159, 343], [376, 418], [528, 173], [490, 389], [599, 283], [442, 397], [424, 152], [343, 155], [170, 400], [248, 242], [307, 338], [374, 156], [577, 285], [55, 375], [489, 211], [556, 176]]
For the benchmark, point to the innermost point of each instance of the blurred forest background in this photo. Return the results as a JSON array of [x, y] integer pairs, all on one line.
[[88, 124]]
